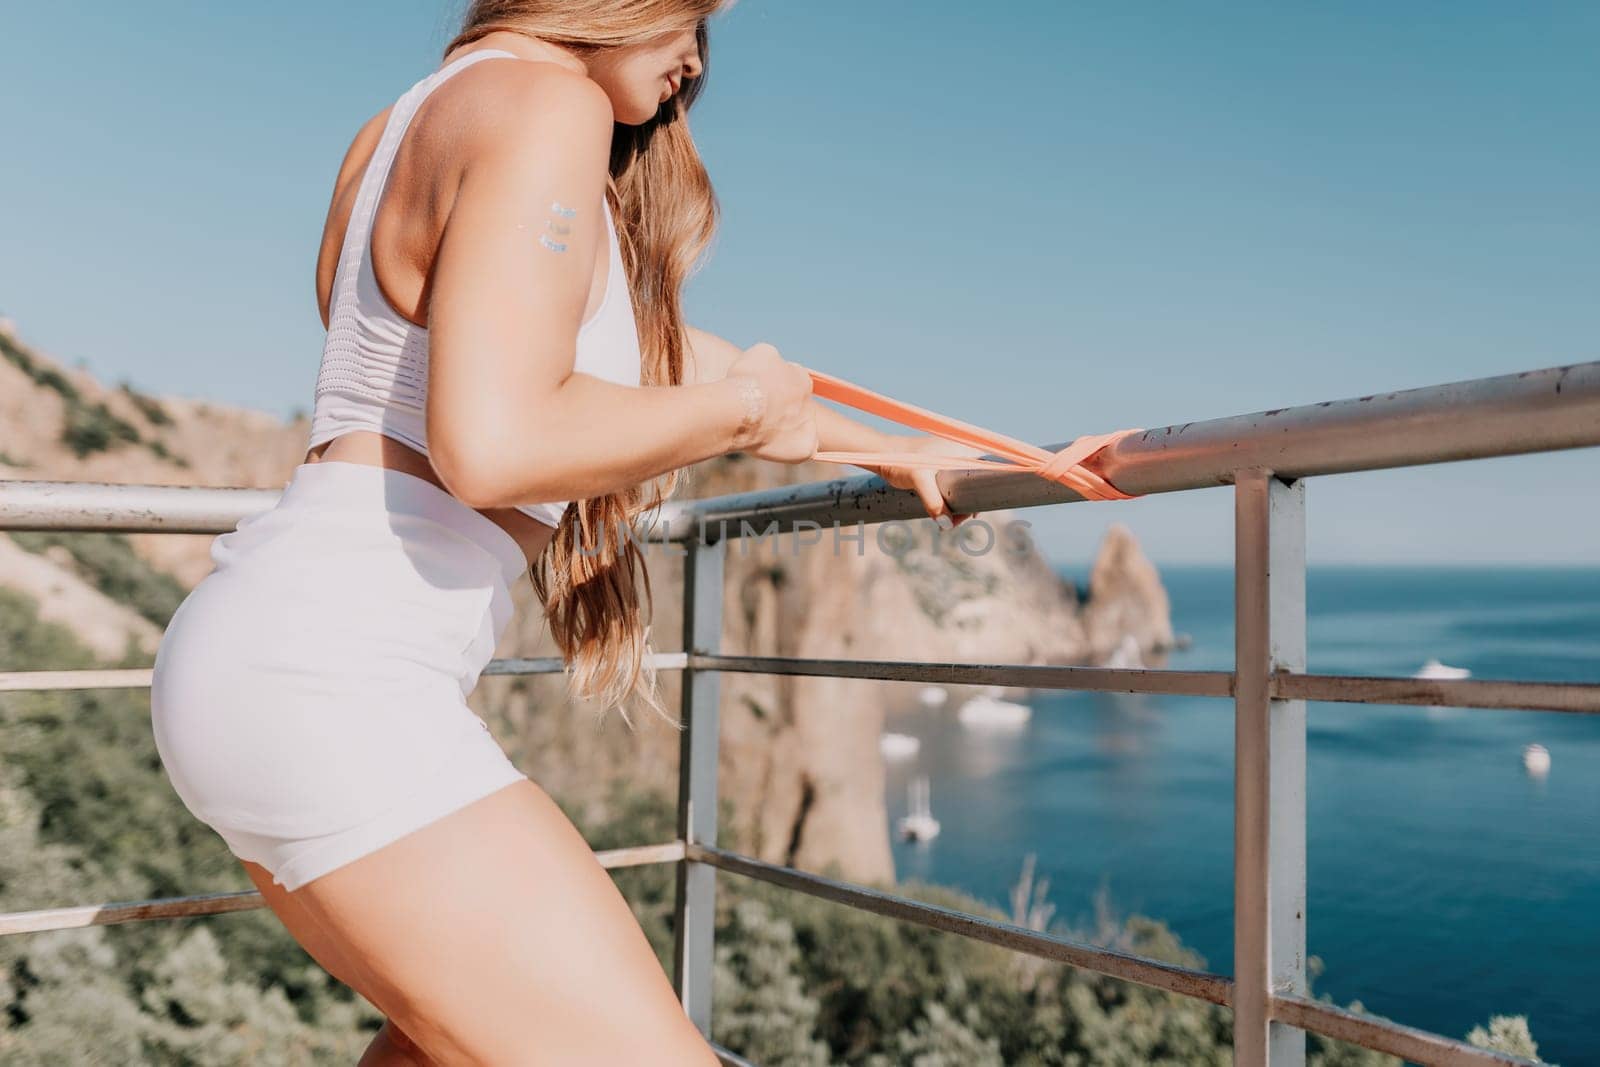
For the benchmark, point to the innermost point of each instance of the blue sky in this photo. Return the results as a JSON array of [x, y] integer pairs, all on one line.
[[1043, 217]]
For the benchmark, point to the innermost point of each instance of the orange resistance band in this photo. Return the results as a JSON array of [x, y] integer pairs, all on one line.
[[1065, 466]]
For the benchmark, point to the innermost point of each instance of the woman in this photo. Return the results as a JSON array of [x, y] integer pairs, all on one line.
[[506, 381]]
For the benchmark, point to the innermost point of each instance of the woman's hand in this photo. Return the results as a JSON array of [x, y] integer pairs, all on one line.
[[779, 421], [923, 480]]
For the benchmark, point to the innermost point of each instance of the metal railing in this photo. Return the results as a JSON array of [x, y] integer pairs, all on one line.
[[1265, 456]]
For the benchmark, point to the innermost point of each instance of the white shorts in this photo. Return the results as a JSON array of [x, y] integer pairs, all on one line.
[[309, 697]]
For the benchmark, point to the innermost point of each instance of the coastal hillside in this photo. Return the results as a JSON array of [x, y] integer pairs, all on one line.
[[61, 423], [800, 769]]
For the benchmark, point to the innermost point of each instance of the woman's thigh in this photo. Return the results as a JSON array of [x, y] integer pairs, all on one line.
[[494, 936], [391, 1045], [319, 945]]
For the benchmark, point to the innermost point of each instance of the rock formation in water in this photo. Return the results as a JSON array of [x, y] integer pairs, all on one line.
[[1127, 603]]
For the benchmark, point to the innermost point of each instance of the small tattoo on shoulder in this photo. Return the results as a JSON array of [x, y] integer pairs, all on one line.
[[564, 212], [554, 246]]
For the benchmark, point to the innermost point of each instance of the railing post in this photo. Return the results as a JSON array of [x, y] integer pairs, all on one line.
[[695, 914], [1269, 784]]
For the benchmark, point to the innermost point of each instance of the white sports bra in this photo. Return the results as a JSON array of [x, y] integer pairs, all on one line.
[[374, 372]]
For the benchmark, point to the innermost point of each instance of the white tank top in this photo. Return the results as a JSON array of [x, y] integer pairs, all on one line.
[[374, 372]]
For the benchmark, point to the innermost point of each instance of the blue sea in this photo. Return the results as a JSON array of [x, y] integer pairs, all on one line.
[[1446, 883]]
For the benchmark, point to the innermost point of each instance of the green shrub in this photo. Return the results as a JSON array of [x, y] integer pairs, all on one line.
[[110, 564], [148, 406], [160, 449], [95, 428], [45, 376], [88, 427]]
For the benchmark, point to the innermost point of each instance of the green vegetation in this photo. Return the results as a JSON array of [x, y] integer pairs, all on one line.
[[87, 427], [109, 563], [1506, 1033], [148, 406], [161, 450], [95, 428], [41, 375], [87, 815]]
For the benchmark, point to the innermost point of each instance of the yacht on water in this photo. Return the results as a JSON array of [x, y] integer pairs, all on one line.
[[986, 711], [1434, 669], [918, 824]]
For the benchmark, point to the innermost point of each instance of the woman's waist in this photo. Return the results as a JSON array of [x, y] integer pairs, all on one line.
[[388, 453], [349, 530]]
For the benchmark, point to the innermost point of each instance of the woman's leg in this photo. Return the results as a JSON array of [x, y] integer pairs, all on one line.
[[391, 1047], [493, 936]]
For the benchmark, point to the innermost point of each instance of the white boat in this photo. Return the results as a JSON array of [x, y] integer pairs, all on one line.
[[933, 696], [898, 746], [918, 824], [987, 711], [1536, 760], [1436, 670]]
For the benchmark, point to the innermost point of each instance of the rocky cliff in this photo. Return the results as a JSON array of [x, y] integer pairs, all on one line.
[[800, 771]]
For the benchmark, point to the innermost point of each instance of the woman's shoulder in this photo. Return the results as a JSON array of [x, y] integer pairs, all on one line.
[[490, 100]]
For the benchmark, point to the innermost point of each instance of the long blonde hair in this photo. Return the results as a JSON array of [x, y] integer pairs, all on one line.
[[666, 214]]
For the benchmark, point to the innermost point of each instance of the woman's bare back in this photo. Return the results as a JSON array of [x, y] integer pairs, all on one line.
[[406, 229], [415, 206]]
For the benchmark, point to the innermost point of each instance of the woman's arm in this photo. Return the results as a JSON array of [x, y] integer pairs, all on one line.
[[709, 358], [508, 420]]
